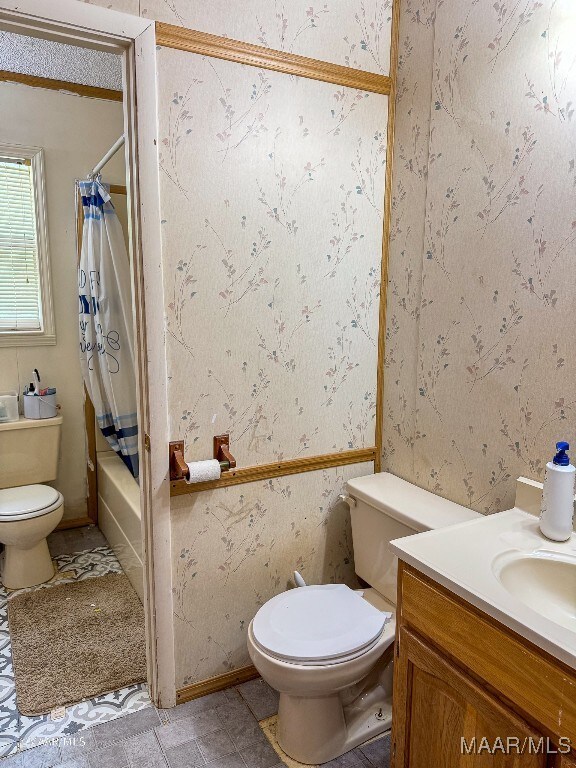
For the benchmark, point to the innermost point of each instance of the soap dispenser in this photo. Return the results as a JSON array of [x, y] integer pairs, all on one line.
[[558, 496]]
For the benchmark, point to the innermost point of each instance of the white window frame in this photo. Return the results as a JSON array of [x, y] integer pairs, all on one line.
[[47, 333]]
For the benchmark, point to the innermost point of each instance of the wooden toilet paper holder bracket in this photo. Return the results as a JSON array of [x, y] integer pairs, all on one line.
[[178, 467], [222, 452]]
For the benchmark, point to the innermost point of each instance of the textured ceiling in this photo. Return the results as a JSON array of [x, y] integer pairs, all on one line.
[[58, 61]]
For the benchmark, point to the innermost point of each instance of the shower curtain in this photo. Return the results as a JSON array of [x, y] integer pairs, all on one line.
[[105, 322]]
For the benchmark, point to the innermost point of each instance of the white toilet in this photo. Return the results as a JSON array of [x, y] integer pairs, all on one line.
[[324, 648], [28, 511]]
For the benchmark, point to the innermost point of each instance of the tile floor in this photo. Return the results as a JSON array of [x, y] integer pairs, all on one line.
[[220, 730], [123, 729], [76, 540], [22, 732]]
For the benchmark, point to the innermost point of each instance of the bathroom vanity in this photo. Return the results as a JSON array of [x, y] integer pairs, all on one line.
[[485, 657]]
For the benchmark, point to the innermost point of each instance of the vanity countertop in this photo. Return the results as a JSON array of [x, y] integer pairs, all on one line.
[[466, 559]]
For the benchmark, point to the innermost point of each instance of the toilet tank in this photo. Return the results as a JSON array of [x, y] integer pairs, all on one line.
[[385, 507], [29, 451]]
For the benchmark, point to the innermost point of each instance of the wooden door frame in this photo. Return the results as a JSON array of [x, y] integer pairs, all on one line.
[[134, 37]]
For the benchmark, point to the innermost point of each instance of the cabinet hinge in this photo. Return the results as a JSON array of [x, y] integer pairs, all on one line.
[[147, 442]]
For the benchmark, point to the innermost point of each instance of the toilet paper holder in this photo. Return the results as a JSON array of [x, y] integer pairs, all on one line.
[[179, 468]]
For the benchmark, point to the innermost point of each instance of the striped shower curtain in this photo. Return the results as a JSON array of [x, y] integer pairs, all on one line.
[[105, 323]]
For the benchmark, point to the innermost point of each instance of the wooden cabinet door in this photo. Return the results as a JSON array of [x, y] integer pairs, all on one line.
[[443, 719], [566, 761]]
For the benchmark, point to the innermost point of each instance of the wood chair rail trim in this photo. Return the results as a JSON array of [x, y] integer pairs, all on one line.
[[214, 684], [204, 44], [276, 469], [386, 225], [91, 91], [76, 522]]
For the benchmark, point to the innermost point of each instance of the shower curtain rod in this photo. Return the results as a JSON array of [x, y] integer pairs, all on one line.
[[111, 152]]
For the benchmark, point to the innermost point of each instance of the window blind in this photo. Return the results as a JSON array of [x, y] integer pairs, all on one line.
[[20, 302]]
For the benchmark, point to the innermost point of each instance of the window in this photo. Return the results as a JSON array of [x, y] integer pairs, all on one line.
[[26, 315]]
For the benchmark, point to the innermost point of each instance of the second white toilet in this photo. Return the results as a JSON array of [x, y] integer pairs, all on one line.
[[29, 511], [328, 649]]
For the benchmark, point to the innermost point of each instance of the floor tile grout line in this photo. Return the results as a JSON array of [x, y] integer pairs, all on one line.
[[160, 746], [243, 760], [223, 727]]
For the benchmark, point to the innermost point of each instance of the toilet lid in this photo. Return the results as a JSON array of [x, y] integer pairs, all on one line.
[[317, 623], [25, 500]]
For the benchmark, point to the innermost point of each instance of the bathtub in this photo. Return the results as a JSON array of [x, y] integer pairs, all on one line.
[[119, 516]]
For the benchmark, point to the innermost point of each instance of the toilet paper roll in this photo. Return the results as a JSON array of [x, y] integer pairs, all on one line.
[[202, 471]]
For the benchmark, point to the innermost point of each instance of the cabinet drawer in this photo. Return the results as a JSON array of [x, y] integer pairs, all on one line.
[[537, 685]]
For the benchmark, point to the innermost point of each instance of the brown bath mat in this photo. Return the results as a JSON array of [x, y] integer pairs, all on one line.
[[74, 641]]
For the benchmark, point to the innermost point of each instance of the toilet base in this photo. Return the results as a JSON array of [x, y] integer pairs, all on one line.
[[315, 730], [327, 710], [27, 567], [26, 559]]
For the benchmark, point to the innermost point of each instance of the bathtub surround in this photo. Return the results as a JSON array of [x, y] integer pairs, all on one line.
[[120, 516], [74, 132], [480, 379]]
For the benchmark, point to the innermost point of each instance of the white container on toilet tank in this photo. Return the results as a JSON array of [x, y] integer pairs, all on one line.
[[558, 496], [40, 406], [8, 406]]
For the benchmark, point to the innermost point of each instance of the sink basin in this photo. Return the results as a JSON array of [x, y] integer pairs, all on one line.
[[544, 581]]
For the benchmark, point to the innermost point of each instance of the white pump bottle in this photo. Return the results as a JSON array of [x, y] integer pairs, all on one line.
[[558, 496]]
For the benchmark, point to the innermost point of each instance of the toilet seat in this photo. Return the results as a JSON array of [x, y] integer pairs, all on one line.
[[28, 501], [324, 624]]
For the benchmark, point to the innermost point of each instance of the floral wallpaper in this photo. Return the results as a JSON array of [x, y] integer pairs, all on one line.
[[272, 192], [234, 548], [124, 6], [480, 381], [354, 34], [272, 238]]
